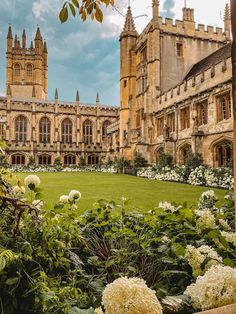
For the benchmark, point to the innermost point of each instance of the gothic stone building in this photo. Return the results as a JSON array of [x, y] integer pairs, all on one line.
[[175, 89], [36, 129]]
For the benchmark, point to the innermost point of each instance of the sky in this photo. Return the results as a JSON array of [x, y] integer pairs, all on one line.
[[85, 56]]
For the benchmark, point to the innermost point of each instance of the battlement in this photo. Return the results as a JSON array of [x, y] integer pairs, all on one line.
[[208, 78], [191, 29]]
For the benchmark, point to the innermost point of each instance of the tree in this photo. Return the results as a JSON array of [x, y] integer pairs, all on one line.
[[84, 8]]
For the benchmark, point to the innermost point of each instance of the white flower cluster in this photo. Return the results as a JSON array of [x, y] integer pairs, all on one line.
[[38, 204], [130, 296], [205, 220], [208, 200], [73, 197], [18, 189], [218, 178], [215, 289], [229, 237], [197, 256], [168, 207], [32, 180]]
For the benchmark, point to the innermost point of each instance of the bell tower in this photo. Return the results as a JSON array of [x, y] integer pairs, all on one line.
[[26, 68]]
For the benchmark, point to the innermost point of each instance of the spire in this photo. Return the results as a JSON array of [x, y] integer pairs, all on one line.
[[77, 96], [9, 35], [227, 18], [129, 23], [45, 49], [31, 45], [38, 34], [8, 90], [33, 92], [97, 99], [15, 42], [24, 39], [155, 9], [56, 94]]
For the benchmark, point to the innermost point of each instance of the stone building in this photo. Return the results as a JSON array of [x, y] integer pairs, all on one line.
[[175, 89], [39, 131]]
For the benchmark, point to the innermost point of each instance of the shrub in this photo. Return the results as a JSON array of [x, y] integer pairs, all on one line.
[[139, 161], [165, 160]]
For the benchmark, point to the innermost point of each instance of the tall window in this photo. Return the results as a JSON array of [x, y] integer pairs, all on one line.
[[185, 118], [29, 70], [160, 126], [171, 121], [104, 129], [18, 160], [224, 107], [159, 153], [223, 154], [2, 131], [179, 49], [93, 160], [66, 131], [45, 160], [184, 153], [88, 132], [44, 130], [17, 69], [21, 129], [69, 160], [202, 113]]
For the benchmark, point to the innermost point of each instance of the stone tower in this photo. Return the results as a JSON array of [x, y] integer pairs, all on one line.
[[127, 79], [26, 68]]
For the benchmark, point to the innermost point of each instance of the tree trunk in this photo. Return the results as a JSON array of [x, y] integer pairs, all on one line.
[[233, 23]]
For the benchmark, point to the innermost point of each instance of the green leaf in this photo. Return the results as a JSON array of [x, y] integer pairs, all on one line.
[[178, 249], [63, 15], [12, 281], [229, 262], [72, 8]]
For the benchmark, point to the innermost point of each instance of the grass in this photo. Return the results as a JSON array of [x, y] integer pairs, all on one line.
[[142, 193]]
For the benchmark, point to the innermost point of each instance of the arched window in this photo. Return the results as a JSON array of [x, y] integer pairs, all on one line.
[[223, 154], [88, 132], [29, 70], [104, 129], [69, 160], [21, 129], [184, 152], [159, 152], [44, 130], [93, 160], [18, 160], [66, 131], [17, 69], [45, 160]]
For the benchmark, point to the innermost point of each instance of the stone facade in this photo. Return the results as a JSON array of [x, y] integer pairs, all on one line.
[[40, 131], [175, 89]]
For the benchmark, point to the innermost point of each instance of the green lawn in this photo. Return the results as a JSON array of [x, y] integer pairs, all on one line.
[[142, 193]]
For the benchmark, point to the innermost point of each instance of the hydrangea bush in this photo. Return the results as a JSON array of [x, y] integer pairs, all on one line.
[[59, 260]]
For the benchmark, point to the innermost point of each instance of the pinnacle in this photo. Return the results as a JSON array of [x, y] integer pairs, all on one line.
[[38, 34], [77, 96], [129, 22], [9, 35], [227, 12], [45, 49]]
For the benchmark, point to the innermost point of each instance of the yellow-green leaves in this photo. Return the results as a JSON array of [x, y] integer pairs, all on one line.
[[84, 8]]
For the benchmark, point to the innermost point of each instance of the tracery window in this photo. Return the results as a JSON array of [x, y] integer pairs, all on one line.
[[185, 118], [93, 160], [17, 69], [104, 129], [44, 130], [66, 131], [88, 132], [160, 126], [171, 121], [69, 160], [202, 113], [184, 153], [29, 70], [21, 129], [18, 160], [45, 160], [224, 110], [223, 154]]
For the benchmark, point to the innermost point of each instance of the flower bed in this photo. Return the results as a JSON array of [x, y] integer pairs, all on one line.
[[202, 175]]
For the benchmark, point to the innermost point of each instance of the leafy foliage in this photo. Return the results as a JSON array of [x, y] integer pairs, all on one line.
[[139, 161], [84, 8], [165, 160], [59, 260]]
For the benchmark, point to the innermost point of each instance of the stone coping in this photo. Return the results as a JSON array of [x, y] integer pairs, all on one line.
[[229, 309]]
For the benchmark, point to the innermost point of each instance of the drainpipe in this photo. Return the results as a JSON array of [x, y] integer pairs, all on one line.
[[233, 24]]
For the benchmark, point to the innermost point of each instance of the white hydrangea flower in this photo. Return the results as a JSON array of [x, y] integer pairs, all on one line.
[[64, 199], [215, 289], [206, 220], [224, 224], [38, 204], [18, 190], [32, 179], [196, 256], [229, 237], [98, 311], [168, 207], [74, 195], [130, 296]]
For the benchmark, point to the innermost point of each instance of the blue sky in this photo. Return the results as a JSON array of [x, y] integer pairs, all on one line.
[[85, 56]]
